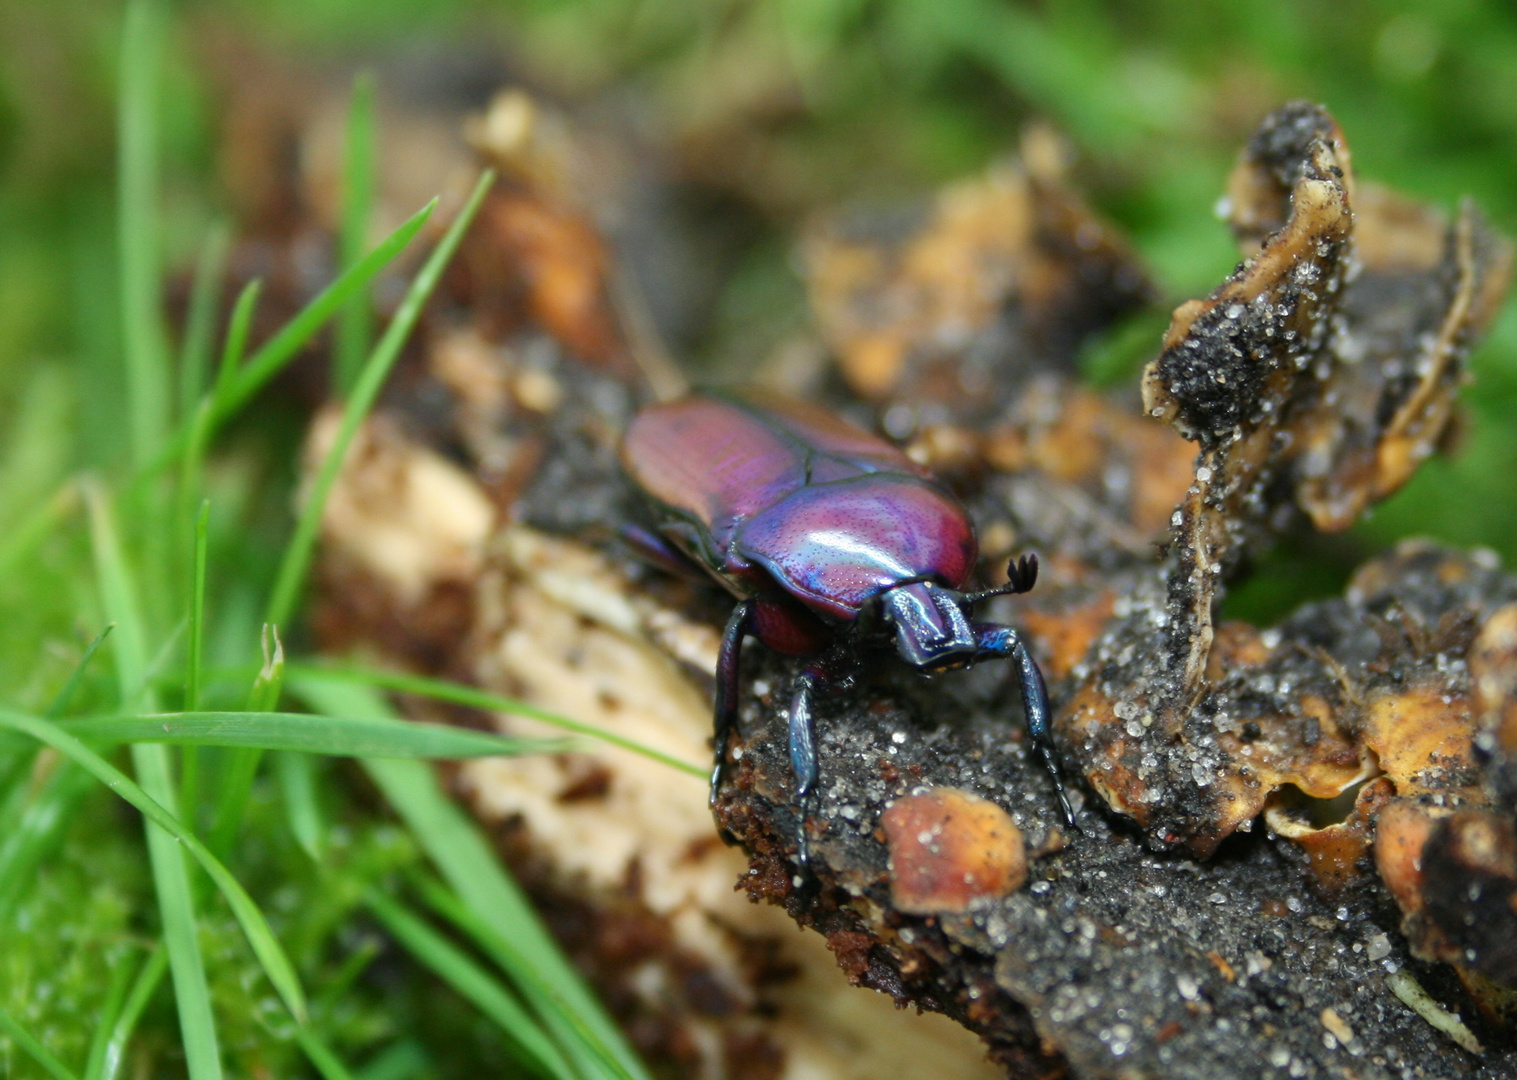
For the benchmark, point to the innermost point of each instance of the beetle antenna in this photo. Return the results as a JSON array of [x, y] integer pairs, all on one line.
[[1021, 576]]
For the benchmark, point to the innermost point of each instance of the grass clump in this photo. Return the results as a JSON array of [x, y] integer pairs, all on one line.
[[242, 942]]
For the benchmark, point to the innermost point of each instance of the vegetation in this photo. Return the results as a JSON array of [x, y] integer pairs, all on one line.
[[257, 908]]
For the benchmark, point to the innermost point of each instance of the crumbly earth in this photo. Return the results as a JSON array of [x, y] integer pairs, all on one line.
[[1313, 380], [1129, 961], [1287, 834]]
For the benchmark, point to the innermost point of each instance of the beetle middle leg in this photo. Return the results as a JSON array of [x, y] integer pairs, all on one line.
[[802, 723], [656, 550], [725, 718], [997, 640]]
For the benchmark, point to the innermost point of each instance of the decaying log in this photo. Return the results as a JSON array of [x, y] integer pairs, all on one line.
[[1373, 736]]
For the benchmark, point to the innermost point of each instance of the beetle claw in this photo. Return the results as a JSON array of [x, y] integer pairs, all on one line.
[[1050, 762], [805, 880], [1069, 813], [1022, 574]]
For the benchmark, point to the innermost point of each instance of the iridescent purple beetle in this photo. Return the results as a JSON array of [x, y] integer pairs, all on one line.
[[834, 542]]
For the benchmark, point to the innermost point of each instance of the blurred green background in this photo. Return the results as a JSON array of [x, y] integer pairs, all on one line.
[[772, 110]]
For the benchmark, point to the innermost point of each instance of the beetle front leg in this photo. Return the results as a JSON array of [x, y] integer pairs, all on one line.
[[831, 667], [996, 640], [725, 718]]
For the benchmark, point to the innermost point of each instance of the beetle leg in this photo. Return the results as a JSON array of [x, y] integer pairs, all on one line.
[[831, 667], [996, 640], [725, 718], [656, 550], [803, 757]]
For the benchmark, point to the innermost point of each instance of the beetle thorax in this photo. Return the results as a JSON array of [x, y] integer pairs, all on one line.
[[931, 629]]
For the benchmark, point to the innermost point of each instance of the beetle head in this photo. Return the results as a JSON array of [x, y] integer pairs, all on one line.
[[931, 630]]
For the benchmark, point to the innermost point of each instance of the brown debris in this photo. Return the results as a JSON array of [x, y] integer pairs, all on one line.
[[1338, 854], [1009, 274], [1401, 832], [1374, 731], [558, 276], [949, 848], [1454, 876], [1493, 673], [1470, 890], [1081, 439], [1067, 634], [1225, 379], [1073, 474], [1267, 375]]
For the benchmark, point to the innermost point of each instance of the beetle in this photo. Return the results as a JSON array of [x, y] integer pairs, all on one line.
[[835, 544]]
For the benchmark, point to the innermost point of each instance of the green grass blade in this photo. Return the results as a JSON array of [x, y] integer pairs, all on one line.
[[341, 982], [320, 1055], [34, 1049], [468, 863], [65, 695], [110, 1014], [355, 321], [23, 538], [270, 681], [37, 438], [136, 675], [458, 970], [236, 344], [475, 698], [272, 356], [242, 767], [235, 784], [545, 997], [197, 613], [463, 855], [399, 1061], [242, 382], [148, 978], [117, 594], [38, 831], [297, 786], [36, 821], [306, 733], [146, 353], [297, 556], [271, 957], [200, 417], [170, 875], [200, 320], [158, 666], [192, 475], [176, 907], [189, 769], [17, 774]]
